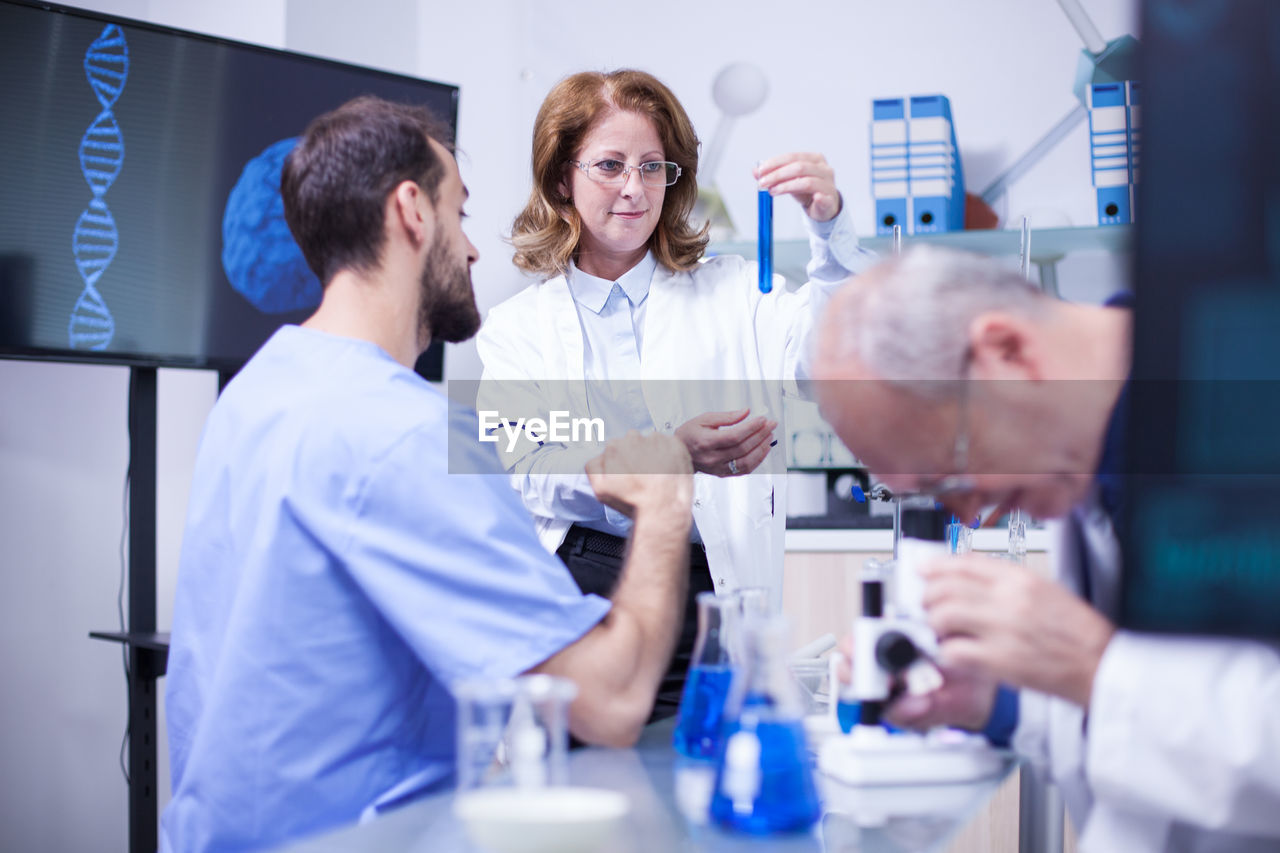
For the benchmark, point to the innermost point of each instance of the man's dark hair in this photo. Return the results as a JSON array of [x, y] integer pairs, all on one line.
[[335, 182]]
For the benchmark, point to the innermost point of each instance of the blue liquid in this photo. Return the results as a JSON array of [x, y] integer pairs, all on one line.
[[847, 714], [764, 239], [697, 732], [787, 800]]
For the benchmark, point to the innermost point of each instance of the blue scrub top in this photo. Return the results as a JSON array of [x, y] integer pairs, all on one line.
[[335, 578]]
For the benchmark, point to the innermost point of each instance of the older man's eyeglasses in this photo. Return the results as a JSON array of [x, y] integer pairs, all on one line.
[[654, 173]]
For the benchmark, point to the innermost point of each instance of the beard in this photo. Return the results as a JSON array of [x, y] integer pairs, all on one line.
[[447, 309]]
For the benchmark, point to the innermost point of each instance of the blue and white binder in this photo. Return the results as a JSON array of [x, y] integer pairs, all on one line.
[[934, 177], [916, 178], [889, 164], [1112, 143]]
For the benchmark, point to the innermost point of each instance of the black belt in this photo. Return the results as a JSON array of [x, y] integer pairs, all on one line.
[[583, 539]]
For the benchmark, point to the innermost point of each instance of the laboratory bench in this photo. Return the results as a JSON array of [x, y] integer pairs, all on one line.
[[657, 781]]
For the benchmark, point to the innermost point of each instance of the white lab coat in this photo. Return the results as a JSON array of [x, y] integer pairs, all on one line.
[[1181, 747], [710, 324]]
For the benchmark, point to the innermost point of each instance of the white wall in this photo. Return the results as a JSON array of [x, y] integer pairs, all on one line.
[[1007, 66], [63, 455]]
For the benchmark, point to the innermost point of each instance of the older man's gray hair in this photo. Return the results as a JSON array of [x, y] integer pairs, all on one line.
[[912, 324]]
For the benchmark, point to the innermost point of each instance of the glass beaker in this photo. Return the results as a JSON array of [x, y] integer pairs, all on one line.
[[810, 676], [697, 732], [753, 601], [1017, 536], [959, 537], [513, 731], [764, 782]]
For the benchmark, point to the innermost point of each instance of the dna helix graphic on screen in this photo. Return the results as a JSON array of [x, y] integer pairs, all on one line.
[[106, 65]]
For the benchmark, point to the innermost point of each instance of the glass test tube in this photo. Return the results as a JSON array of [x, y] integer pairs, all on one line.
[[764, 240], [1024, 253]]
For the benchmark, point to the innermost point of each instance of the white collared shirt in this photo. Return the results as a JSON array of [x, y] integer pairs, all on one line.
[[612, 316]]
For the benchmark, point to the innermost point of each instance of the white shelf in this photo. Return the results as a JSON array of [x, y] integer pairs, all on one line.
[[988, 539], [1048, 245]]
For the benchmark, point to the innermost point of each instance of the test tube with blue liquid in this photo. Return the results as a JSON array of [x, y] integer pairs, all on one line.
[[764, 239], [960, 535]]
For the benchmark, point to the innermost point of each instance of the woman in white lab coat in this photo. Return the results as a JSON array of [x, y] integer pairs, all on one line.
[[628, 304]]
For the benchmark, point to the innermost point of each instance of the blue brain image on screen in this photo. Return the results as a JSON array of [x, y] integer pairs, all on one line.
[[261, 259]]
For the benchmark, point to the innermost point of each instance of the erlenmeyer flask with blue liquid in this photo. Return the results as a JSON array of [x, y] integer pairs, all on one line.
[[764, 778], [697, 733]]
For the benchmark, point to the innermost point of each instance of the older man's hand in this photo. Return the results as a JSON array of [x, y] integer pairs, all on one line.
[[1014, 625], [964, 700]]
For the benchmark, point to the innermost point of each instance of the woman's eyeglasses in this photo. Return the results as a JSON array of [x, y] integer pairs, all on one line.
[[654, 173]]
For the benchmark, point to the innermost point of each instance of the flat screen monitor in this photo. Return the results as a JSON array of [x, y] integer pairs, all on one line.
[[1200, 530], [140, 218]]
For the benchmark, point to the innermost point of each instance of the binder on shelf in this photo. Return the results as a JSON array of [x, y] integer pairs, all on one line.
[[889, 163], [935, 178], [916, 178], [1111, 149]]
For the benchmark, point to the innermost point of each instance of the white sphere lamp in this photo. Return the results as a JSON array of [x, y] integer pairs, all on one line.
[[738, 89]]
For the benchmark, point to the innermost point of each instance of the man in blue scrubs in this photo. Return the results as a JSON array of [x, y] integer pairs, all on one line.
[[335, 576]]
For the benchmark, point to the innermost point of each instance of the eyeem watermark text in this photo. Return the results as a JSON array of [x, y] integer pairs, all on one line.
[[559, 428]]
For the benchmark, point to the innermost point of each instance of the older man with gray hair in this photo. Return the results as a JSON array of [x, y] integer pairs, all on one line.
[[949, 374]]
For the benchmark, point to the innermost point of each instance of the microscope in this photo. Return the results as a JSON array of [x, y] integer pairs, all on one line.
[[893, 644], [894, 651]]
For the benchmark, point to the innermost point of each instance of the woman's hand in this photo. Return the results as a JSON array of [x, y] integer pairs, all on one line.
[[805, 176], [726, 444]]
